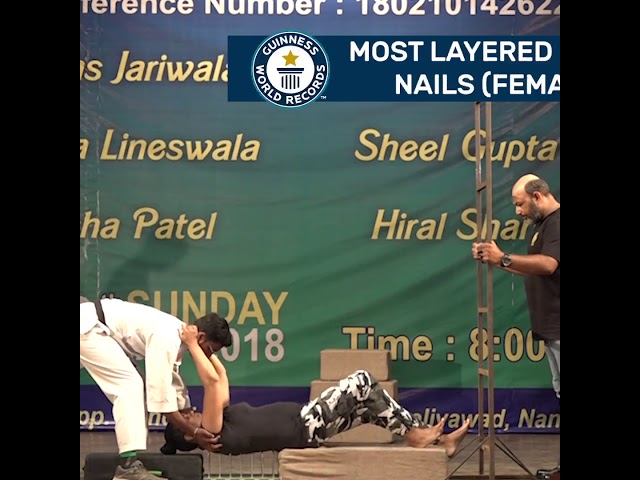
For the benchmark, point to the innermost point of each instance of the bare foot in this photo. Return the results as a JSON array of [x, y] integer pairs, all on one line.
[[422, 437], [450, 441]]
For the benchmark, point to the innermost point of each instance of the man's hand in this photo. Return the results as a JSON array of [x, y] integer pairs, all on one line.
[[476, 253], [189, 335], [207, 440], [487, 252]]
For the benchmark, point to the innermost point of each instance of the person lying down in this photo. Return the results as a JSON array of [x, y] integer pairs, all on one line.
[[356, 399]]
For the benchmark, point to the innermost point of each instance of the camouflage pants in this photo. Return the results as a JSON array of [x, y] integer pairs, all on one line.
[[357, 399]]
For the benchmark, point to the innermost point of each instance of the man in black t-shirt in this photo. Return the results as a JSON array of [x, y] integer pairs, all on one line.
[[541, 268]]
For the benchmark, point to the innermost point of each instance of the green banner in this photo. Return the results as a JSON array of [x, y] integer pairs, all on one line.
[[337, 225]]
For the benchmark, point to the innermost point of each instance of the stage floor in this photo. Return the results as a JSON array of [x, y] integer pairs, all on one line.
[[533, 451]]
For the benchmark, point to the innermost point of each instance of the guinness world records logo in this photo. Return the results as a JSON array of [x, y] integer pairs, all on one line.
[[290, 69]]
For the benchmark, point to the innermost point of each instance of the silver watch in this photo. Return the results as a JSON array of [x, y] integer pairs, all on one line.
[[505, 261]]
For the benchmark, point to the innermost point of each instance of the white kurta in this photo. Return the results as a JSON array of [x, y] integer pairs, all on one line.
[[143, 332]]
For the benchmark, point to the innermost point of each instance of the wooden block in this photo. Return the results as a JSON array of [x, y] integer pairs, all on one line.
[[365, 434], [363, 463], [182, 466], [335, 364]]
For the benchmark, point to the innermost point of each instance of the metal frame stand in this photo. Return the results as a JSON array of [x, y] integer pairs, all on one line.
[[486, 441]]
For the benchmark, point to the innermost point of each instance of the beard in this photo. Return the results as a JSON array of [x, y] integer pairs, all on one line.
[[536, 215]]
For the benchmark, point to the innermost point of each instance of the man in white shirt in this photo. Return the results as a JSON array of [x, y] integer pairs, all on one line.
[[110, 340]]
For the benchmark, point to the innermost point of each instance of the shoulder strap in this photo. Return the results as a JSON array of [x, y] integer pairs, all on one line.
[[99, 311]]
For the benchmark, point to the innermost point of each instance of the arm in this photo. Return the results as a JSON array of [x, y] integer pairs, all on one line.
[[218, 366], [537, 264], [215, 382], [214, 379], [530, 264], [205, 439], [206, 370], [177, 419], [165, 388], [224, 380], [510, 270]]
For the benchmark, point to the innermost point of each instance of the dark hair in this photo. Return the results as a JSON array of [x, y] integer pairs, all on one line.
[[216, 328], [537, 185], [174, 440]]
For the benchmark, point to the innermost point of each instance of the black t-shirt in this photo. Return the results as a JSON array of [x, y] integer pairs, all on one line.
[[276, 426], [543, 291]]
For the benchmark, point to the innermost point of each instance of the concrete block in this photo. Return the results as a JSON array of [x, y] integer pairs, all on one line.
[[363, 463], [335, 364]]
